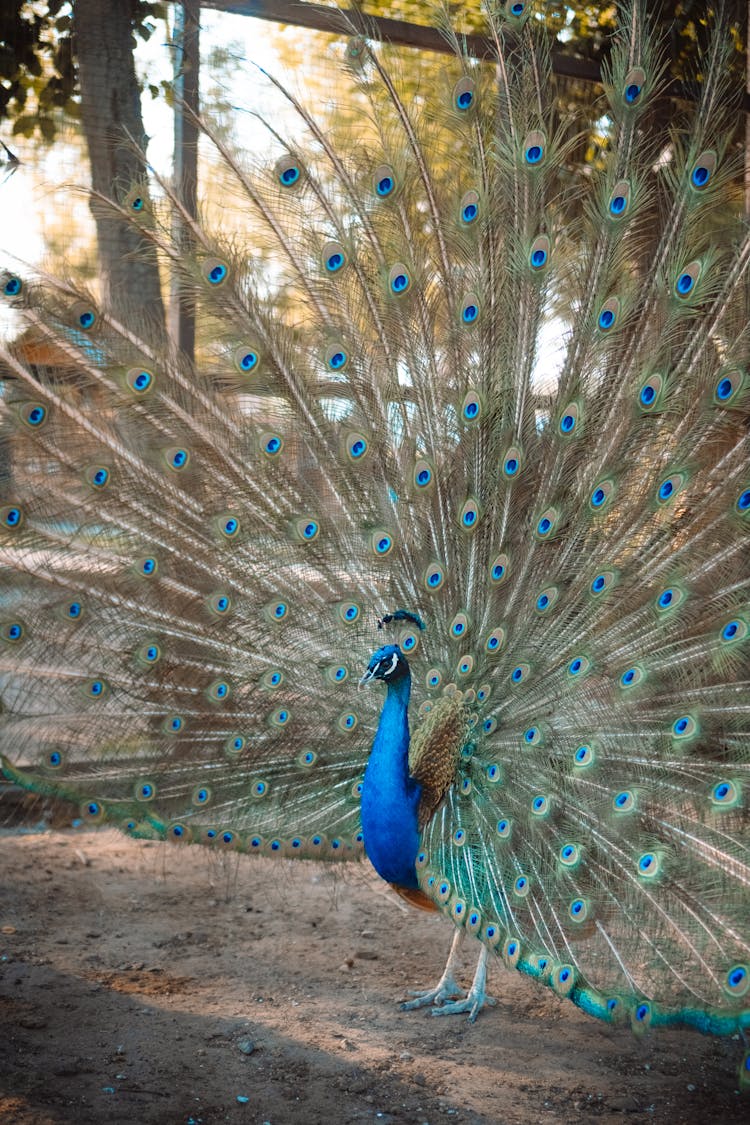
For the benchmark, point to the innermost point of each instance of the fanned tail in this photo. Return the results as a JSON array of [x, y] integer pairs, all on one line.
[[197, 554]]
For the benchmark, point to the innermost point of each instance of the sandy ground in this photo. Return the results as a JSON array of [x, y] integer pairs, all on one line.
[[146, 983]]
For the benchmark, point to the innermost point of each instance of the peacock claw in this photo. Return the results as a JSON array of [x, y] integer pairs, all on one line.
[[473, 1002], [442, 996], [445, 990]]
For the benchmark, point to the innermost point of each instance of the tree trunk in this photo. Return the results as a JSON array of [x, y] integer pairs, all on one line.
[[111, 115]]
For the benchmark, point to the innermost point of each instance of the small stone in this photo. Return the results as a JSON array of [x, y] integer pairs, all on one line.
[[691, 1087], [405, 1056], [246, 1046], [242, 1099], [366, 955]]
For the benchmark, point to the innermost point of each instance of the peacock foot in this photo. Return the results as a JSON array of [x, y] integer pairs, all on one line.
[[473, 1002], [443, 996], [475, 998], [445, 989]]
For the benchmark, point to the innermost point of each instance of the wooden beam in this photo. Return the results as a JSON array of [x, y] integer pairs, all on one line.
[[320, 18], [403, 34]]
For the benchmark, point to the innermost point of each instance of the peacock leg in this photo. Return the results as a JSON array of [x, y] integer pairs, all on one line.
[[476, 997], [445, 988]]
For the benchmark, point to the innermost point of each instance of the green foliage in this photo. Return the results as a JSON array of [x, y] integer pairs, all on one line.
[[38, 73]]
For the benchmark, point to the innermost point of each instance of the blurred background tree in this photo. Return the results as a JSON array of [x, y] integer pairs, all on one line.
[[71, 61]]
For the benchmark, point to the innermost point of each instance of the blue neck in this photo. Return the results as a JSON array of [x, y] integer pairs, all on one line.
[[390, 798]]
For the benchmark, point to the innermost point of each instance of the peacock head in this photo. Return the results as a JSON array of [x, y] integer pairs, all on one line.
[[388, 664]]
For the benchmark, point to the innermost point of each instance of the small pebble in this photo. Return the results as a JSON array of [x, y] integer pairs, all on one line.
[[691, 1087], [246, 1046], [242, 1099]]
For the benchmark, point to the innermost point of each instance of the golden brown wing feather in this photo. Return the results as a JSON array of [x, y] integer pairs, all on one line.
[[434, 752]]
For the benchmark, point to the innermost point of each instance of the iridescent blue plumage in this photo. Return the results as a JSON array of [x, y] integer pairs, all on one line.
[[390, 797]]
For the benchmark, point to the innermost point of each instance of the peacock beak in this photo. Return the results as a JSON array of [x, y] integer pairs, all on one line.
[[369, 675]]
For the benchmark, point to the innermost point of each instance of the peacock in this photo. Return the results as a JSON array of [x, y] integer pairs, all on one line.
[[467, 430]]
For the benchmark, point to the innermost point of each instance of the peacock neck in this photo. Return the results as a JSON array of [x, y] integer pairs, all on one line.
[[390, 797]]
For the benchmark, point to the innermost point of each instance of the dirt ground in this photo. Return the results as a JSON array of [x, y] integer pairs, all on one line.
[[146, 983]]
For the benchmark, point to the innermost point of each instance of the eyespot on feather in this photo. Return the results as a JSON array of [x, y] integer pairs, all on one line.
[[603, 582], [602, 495], [470, 309], [547, 523], [357, 446], [534, 149], [139, 380], [228, 525], [381, 543], [83, 316], [98, 477], [12, 632], [459, 626], [214, 271], [702, 172], [306, 529], [336, 673], [434, 577], [137, 203], [384, 181], [633, 87], [569, 422], [218, 691], [289, 172], [219, 603], [409, 640], [651, 393], [687, 279], [11, 287], [469, 208], [464, 94], [512, 462], [609, 315], [399, 280], [539, 255], [246, 358], [333, 257], [517, 12], [176, 458], [348, 612], [471, 408], [336, 357], [424, 474], [618, 204], [271, 444], [546, 599], [33, 414], [357, 51], [469, 515], [500, 568], [729, 387]]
